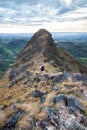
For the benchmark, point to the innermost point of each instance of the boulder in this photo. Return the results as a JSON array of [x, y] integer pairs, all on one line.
[[84, 120], [60, 98], [73, 102], [66, 75], [37, 78], [42, 99], [25, 75], [11, 123], [12, 74], [56, 79], [37, 94], [76, 126], [51, 111], [4, 107], [52, 62], [45, 77], [9, 97]]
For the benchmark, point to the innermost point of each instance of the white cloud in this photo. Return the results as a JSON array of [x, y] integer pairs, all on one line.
[[42, 13]]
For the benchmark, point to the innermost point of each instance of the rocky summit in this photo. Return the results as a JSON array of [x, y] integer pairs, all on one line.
[[46, 89], [41, 48]]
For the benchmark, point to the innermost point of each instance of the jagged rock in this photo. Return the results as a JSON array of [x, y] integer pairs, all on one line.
[[42, 124], [33, 123], [60, 98], [26, 74], [4, 107], [15, 72], [51, 111], [14, 106], [37, 78], [37, 93], [55, 89], [55, 79], [11, 123], [72, 110], [68, 86], [13, 82], [52, 62], [9, 97], [76, 126], [84, 120], [11, 74], [23, 66], [45, 77], [54, 120], [42, 99], [66, 75], [73, 102], [80, 77]]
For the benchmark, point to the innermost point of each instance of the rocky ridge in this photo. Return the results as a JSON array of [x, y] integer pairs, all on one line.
[[41, 47], [53, 99]]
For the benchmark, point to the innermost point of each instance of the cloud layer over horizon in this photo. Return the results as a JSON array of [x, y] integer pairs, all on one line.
[[41, 13]]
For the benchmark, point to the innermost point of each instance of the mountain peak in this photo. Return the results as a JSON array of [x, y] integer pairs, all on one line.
[[41, 47], [41, 37], [42, 32]]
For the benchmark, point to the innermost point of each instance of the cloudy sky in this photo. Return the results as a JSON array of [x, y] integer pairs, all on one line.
[[23, 16]]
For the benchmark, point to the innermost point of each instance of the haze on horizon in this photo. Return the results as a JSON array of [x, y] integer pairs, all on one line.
[[26, 16]]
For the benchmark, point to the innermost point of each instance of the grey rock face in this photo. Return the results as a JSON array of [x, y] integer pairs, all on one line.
[[84, 120], [15, 72], [11, 123], [45, 77], [74, 103], [37, 78], [52, 62], [42, 99], [4, 107], [37, 93], [60, 98], [66, 75], [76, 126], [11, 74], [56, 79], [51, 111], [9, 97]]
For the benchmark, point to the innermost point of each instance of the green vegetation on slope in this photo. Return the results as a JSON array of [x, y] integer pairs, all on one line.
[[77, 49], [9, 48]]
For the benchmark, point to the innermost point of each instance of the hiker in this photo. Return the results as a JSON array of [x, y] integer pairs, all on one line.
[[42, 68]]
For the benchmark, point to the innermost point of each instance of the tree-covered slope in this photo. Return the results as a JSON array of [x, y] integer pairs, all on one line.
[[77, 49], [9, 48]]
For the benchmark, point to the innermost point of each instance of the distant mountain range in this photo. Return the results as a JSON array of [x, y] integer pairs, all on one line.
[[11, 45]]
